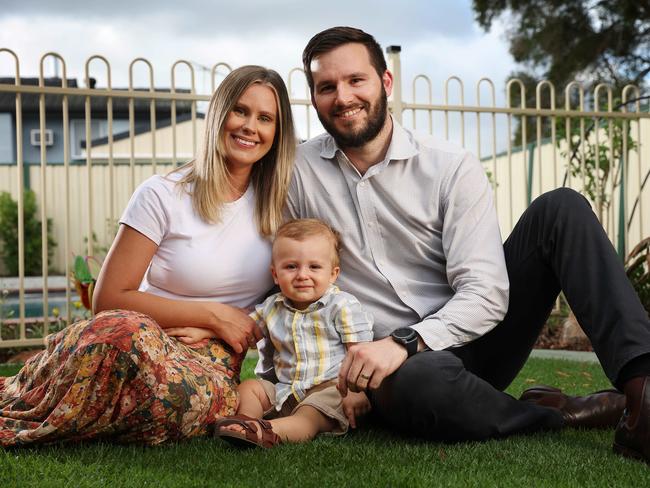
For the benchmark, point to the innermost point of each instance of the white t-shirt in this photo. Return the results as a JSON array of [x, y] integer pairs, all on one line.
[[226, 262]]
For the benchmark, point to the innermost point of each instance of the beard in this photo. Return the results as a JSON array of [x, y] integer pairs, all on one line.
[[351, 138]]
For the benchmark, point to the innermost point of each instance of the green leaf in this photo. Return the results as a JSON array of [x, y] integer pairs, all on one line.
[[81, 270]]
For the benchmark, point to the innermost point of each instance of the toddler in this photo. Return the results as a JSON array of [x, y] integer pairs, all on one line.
[[307, 328]]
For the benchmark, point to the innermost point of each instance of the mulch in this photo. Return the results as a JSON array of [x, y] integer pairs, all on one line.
[[551, 338], [11, 357]]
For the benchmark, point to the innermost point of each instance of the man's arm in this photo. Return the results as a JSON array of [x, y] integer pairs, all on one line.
[[476, 271], [292, 209], [475, 263]]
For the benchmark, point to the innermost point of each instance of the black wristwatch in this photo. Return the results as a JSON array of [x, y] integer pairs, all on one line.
[[408, 338]]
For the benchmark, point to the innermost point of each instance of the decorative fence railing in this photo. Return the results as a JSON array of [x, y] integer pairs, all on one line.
[[83, 150]]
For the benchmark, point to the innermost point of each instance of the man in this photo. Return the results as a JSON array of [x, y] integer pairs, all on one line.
[[456, 311]]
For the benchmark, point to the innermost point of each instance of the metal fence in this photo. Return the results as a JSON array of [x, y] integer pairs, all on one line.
[[109, 140]]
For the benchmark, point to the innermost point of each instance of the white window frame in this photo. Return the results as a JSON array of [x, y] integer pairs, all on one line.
[[35, 140]]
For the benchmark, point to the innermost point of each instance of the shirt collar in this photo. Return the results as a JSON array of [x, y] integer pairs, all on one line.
[[321, 302], [401, 146]]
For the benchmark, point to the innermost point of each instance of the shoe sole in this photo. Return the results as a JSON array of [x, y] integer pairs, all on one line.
[[629, 453], [237, 441]]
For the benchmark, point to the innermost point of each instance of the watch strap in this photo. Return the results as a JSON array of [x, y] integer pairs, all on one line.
[[408, 338]]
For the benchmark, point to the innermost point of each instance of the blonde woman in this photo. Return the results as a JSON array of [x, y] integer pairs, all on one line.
[[190, 258]]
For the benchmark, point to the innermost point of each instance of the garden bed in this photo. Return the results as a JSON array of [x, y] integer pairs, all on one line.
[[551, 338]]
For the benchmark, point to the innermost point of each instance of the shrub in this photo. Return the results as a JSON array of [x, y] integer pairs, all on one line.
[[9, 235]]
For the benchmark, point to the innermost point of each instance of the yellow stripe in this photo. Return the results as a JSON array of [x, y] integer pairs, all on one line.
[[347, 332], [322, 349], [298, 359], [271, 322], [271, 314]]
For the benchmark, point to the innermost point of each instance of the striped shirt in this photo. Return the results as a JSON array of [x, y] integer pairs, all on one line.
[[304, 348]]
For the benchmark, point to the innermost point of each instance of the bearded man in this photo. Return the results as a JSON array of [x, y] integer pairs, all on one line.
[[456, 311]]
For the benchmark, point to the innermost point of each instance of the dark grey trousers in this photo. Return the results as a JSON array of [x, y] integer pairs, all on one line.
[[558, 244]]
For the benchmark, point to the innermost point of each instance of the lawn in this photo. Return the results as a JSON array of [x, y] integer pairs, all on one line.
[[363, 458]]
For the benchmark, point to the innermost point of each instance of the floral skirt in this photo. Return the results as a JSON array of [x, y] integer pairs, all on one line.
[[118, 376]]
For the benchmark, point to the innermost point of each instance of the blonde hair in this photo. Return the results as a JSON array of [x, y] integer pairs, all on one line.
[[270, 176], [300, 229]]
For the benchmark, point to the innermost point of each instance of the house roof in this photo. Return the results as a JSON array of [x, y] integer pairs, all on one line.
[[142, 128], [77, 104]]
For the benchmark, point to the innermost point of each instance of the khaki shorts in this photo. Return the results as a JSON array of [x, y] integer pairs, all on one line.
[[324, 397]]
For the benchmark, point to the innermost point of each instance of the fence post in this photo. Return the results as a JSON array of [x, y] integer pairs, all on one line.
[[622, 225], [394, 65]]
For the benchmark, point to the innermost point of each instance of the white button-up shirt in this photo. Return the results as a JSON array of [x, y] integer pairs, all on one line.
[[421, 242]]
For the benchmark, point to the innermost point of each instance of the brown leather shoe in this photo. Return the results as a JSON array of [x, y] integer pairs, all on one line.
[[632, 437], [599, 410]]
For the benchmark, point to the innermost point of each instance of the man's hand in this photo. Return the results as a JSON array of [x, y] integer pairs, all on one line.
[[355, 405], [367, 364]]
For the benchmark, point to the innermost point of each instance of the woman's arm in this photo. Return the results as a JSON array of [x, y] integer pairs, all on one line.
[[121, 275]]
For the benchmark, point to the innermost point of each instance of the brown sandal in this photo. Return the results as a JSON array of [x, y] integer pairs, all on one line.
[[250, 437]]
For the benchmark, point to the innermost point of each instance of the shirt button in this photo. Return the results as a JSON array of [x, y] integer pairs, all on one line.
[[362, 184]]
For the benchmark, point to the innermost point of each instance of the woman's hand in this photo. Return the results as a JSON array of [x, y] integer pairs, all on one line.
[[118, 287], [190, 335], [234, 326]]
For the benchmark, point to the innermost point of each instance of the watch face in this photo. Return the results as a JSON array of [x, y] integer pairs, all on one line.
[[404, 333]]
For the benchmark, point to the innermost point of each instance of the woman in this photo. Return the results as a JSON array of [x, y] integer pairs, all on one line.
[[191, 256]]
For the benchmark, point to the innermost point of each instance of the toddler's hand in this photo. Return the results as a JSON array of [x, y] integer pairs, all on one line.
[[355, 405], [190, 335], [234, 326]]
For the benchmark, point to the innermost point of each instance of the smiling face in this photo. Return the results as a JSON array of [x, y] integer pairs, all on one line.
[[349, 96], [249, 129], [304, 269]]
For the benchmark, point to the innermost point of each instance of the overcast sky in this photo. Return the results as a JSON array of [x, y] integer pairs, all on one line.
[[439, 38]]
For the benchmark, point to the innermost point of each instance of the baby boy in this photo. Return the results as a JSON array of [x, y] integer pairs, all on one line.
[[307, 328]]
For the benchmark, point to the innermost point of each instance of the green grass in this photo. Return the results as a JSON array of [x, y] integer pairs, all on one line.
[[363, 458]]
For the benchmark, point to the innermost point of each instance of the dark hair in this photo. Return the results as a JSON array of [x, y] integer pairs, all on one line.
[[334, 37]]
